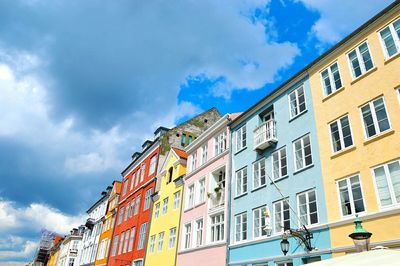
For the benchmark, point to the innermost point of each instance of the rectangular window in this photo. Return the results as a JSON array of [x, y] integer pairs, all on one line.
[[387, 180], [153, 162], [157, 211], [279, 164], [390, 37], [217, 227], [131, 206], [286, 263], [307, 207], [241, 138], [172, 237], [142, 235], [201, 190], [125, 187], [183, 140], [204, 154], [351, 198], [199, 233], [331, 80], [165, 206], [375, 117], [194, 161], [281, 216], [147, 199], [137, 176], [137, 206], [121, 215], [160, 241], [302, 152], [259, 222], [190, 197], [121, 243], [126, 240], [132, 239], [152, 243], [143, 172], [132, 181], [177, 195], [127, 211], [297, 102], [241, 181], [360, 60], [259, 173], [240, 227], [187, 234], [220, 143], [115, 244], [341, 134]]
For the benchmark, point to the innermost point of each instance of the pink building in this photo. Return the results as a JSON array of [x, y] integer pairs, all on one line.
[[203, 227]]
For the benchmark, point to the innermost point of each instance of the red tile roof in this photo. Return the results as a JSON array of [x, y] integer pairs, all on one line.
[[180, 153]]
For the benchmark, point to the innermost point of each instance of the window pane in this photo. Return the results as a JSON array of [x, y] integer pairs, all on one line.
[[366, 56], [382, 185], [368, 121], [389, 41], [394, 170], [344, 198], [346, 131], [302, 100], [335, 137], [336, 76], [381, 115], [283, 162], [355, 64], [357, 194], [326, 81]]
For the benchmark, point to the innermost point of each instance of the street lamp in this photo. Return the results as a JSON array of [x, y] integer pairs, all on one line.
[[360, 236], [284, 245], [302, 234]]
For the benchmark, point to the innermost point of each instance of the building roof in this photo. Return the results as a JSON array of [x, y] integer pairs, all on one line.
[[181, 153]]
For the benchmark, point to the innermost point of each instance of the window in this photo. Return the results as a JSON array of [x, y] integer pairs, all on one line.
[[201, 190], [121, 215], [307, 207], [143, 172], [138, 263], [160, 241], [387, 180], [183, 139], [153, 162], [142, 235], [302, 152], [375, 117], [204, 154], [125, 187], [241, 138], [152, 243], [190, 138], [177, 195], [331, 79], [172, 237], [390, 37], [286, 263], [199, 233], [259, 222], [165, 206], [132, 239], [121, 243], [137, 175], [147, 199], [190, 197], [217, 227], [297, 102], [194, 161], [187, 234], [157, 211], [137, 206], [126, 240], [130, 207], [259, 173], [132, 181], [170, 172], [351, 198], [71, 261], [241, 181], [127, 211], [240, 227], [341, 134], [220, 143], [360, 60], [279, 164], [281, 216], [115, 244]]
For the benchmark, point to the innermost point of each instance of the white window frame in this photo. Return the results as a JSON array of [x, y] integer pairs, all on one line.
[[198, 230], [125, 187], [374, 118], [121, 243], [350, 192], [165, 206], [280, 157], [241, 138], [115, 246], [340, 131], [204, 153], [157, 210], [137, 176], [194, 161], [137, 205], [152, 243], [218, 227], [242, 226], [160, 242], [360, 60], [240, 182], [147, 199], [172, 237], [153, 162], [187, 235], [297, 107], [121, 215], [132, 239], [303, 155], [331, 79], [142, 172], [177, 196], [261, 220], [282, 215], [258, 174], [308, 207], [126, 241], [395, 38], [142, 236], [220, 143], [201, 191], [190, 196], [389, 183]]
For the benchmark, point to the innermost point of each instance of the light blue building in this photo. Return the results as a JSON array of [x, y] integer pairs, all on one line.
[[277, 180]]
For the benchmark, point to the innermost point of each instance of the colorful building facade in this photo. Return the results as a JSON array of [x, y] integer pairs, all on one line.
[[355, 89], [164, 227], [70, 247], [203, 223]]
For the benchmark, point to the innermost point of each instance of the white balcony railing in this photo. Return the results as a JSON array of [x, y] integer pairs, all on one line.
[[265, 135], [217, 199]]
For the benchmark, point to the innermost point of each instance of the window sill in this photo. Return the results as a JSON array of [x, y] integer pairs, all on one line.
[[379, 136], [279, 179], [327, 97], [344, 151], [241, 195], [298, 115], [363, 75], [239, 151], [303, 169], [354, 215], [258, 188], [390, 59]]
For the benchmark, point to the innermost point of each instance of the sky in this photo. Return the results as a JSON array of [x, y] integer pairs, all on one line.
[[84, 83]]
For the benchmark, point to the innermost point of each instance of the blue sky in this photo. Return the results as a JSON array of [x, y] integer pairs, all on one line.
[[84, 83]]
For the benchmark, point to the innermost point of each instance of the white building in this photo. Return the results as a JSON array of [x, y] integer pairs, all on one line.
[[68, 254]]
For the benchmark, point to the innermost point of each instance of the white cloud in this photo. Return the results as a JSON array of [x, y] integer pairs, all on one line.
[[27, 249]]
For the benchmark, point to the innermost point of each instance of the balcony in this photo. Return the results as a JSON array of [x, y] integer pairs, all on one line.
[[90, 223], [265, 135], [216, 198]]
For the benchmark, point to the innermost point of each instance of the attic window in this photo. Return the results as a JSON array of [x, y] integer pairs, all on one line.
[[205, 120]]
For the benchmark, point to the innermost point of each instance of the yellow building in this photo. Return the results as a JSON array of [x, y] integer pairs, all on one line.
[[164, 226], [108, 225], [356, 98], [53, 256]]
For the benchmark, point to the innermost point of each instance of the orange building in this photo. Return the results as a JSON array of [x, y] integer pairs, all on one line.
[[108, 225]]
